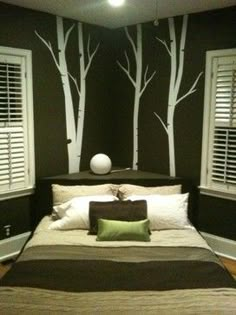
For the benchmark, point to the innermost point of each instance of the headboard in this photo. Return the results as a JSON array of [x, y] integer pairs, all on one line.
[[43, 195]]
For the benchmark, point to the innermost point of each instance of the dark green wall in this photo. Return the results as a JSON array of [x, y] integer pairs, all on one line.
[[206, 31], [109, 103], [17, 29]]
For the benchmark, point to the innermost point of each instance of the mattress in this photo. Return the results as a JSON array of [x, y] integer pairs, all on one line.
[[69, 271]]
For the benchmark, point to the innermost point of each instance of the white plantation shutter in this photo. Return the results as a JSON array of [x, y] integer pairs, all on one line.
[[219, 154], [224, 156], [223, 169], [15, 170], [225, 99], [12, 160]]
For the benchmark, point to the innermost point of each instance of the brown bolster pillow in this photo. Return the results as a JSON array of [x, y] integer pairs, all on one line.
[[116, 210]]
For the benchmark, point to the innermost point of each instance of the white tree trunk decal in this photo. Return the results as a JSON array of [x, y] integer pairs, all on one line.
[[74, 135], [174, 86], [137, 83], [82, 90]]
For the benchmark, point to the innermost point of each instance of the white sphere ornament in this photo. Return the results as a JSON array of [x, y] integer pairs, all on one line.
[[100, 164]]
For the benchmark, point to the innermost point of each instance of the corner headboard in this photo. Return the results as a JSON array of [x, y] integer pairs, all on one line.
[[43, 195]]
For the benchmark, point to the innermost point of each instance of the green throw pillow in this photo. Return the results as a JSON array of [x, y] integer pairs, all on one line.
[[113, 230]]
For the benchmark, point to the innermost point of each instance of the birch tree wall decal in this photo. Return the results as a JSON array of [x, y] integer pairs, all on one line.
[[176, 76], [74, 132], [139, 86]]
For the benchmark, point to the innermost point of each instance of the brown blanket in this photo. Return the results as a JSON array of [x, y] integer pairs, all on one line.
[[74, 261], [89, 269]]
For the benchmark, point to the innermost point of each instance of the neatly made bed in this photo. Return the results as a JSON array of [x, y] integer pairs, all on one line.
[[69, 271]]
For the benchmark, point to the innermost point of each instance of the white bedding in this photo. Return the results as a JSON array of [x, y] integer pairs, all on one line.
[[182, 237]]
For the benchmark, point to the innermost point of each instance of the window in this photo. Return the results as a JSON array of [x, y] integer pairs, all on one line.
[[218, 175], [16, 123]]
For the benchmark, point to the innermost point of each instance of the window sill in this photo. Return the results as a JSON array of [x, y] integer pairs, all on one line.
[[217, 193], [17, 193]]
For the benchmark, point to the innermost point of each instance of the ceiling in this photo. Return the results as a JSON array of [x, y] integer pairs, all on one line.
[[99, 12]]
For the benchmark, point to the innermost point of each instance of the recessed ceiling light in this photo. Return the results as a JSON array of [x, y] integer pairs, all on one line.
[[116, 3]]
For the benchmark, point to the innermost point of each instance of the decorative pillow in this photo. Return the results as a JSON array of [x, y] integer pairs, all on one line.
[[110, 230], [63, 194], [74, 214], [127, 190], [116, 210], [166, 212]]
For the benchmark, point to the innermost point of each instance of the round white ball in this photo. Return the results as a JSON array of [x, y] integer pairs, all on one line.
[[100, 164]]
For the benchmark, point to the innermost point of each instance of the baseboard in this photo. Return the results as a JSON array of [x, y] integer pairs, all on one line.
[[11, 247], [221, 246]]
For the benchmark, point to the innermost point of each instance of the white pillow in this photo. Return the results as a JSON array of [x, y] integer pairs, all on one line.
[[74, 214], [63, 193], [166, 211], [126, 190]]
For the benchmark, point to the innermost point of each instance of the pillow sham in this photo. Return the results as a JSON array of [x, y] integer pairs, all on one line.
[[116, 210], [62, 194], [113, 230], [74, 214], [166, 211], [127, 190]]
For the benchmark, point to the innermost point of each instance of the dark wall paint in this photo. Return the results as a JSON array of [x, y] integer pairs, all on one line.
[[15, 212], [217, 216], [109, 103], [17, 29], [206, 31]]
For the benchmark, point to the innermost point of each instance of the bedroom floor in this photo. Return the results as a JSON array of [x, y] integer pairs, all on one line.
[[4, 267], [229, 264]]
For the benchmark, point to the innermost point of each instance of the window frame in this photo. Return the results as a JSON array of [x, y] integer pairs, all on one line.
[[29, 123], [206, 186]]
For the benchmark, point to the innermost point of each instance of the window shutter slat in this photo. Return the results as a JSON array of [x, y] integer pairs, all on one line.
[[223, 165], [225, 94], [12, 156], [11, 94], [224, 156]]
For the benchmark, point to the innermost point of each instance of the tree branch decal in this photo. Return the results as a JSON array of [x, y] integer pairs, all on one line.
[[136, 82], [74, 80], [176, 76], [90, 55], [191, 90], [146, 81], [131, 41], [127, 71], [49, 46], [67, 35], [165, 44], [74, 135], [161, 121], [181, 57]]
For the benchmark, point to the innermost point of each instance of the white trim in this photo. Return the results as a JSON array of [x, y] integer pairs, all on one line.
[[11, 247], [222, 246], [17, 194], [25, 56], [30, 117], [206, 120], [207, 187], [216, 193]]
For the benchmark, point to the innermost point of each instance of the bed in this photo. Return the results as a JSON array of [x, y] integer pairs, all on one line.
[[67, 269]]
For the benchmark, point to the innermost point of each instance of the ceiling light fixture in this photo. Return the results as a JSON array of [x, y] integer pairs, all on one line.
[[116, 3]]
